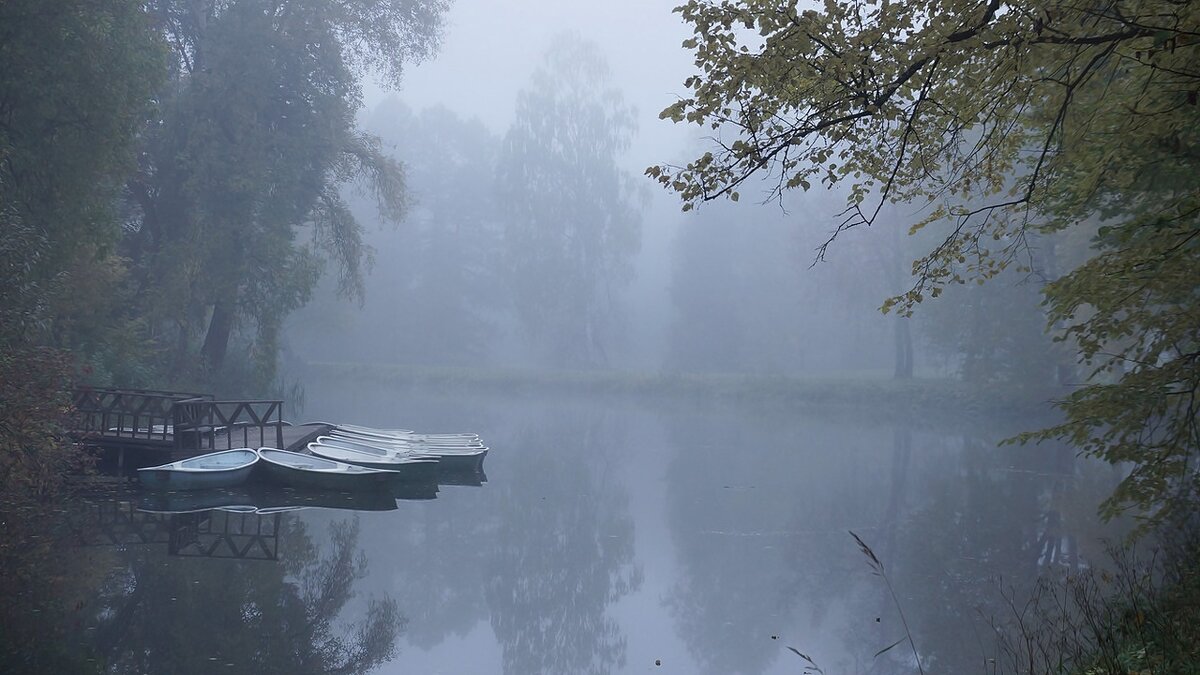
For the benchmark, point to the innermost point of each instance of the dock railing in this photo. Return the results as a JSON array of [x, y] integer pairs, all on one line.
[[133, 415], [222, 425]]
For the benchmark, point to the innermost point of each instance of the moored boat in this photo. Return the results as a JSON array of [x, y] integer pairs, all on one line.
[[406, 446], [410, 466], [293, 468], [397, 440], [218, 469], [407, 434], [455, 458]]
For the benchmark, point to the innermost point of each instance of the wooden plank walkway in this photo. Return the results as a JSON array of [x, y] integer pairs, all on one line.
[[154, 426], [295, 438]]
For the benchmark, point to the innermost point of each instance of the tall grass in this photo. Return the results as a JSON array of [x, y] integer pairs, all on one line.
[[1139, 614]]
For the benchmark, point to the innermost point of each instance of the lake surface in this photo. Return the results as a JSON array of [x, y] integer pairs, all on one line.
[[611, 536]]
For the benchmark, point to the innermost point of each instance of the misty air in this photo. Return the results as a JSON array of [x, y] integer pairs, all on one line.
[[699, 337]]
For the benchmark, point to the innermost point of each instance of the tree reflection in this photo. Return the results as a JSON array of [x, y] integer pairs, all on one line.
[[954, 521], [760, 510], [749, 507], [43, 589], [564, 553], [172, 615], [1005, 518], [437, 557]]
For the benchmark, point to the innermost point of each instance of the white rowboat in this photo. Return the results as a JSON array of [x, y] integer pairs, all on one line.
[[293, 468], [416, 445], [218, 469], [454, 458], [410, 467], [406, 434]]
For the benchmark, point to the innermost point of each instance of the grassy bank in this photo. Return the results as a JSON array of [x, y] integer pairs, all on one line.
[[1137, 615], [1158, 636], [917, 396]]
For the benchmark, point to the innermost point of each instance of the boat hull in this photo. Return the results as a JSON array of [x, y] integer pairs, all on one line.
[[464, 443], [289, 468], [406, 434], [414, 470], [449, 459], [230, 468]]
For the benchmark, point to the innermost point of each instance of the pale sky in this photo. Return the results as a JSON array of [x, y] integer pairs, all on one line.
[[491, 48]]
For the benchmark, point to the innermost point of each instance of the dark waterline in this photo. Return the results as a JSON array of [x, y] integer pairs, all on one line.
[[608, 537]]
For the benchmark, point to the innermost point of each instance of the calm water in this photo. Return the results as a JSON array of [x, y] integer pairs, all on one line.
[[609, 536]]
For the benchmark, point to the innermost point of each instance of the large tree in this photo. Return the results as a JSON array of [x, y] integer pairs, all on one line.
[[443, 275], [572, 223], [1002, 120], [76, 80], [238, 202]]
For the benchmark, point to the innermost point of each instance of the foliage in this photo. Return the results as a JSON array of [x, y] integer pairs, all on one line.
[[571, 220], [726, 289], [76, 80], [1139, 320], [1133, 613], [993, 332], [237, 204], [443, 276], [35, 404], [450, 242], [440, 273], [1000, 121]]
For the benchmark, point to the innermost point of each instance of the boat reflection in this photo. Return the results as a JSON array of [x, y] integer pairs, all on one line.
[[272, 499], [473, 477]]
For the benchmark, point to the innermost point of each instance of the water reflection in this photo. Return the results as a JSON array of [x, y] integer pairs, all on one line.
[[958, 524], [197, 590], [761, 511], [995, 522], [45, 582], [268, 498], [742, 499], [192, 615], [607, 537], [230, 532], [563, 551]]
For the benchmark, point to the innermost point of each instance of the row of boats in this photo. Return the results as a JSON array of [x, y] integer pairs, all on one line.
[[348, 458]]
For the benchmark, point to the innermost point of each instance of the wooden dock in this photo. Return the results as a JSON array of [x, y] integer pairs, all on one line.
[[154, 427]]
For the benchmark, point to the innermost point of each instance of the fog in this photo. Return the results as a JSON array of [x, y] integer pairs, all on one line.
[[785, 330], [729, 288]]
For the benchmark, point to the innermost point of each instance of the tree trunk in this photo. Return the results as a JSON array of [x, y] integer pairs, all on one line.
[[903, 335], [904, 349], [216, 341]]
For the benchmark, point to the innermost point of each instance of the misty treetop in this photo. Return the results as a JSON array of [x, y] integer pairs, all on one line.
[[572, 217], [437, 269], [1005, 122]]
